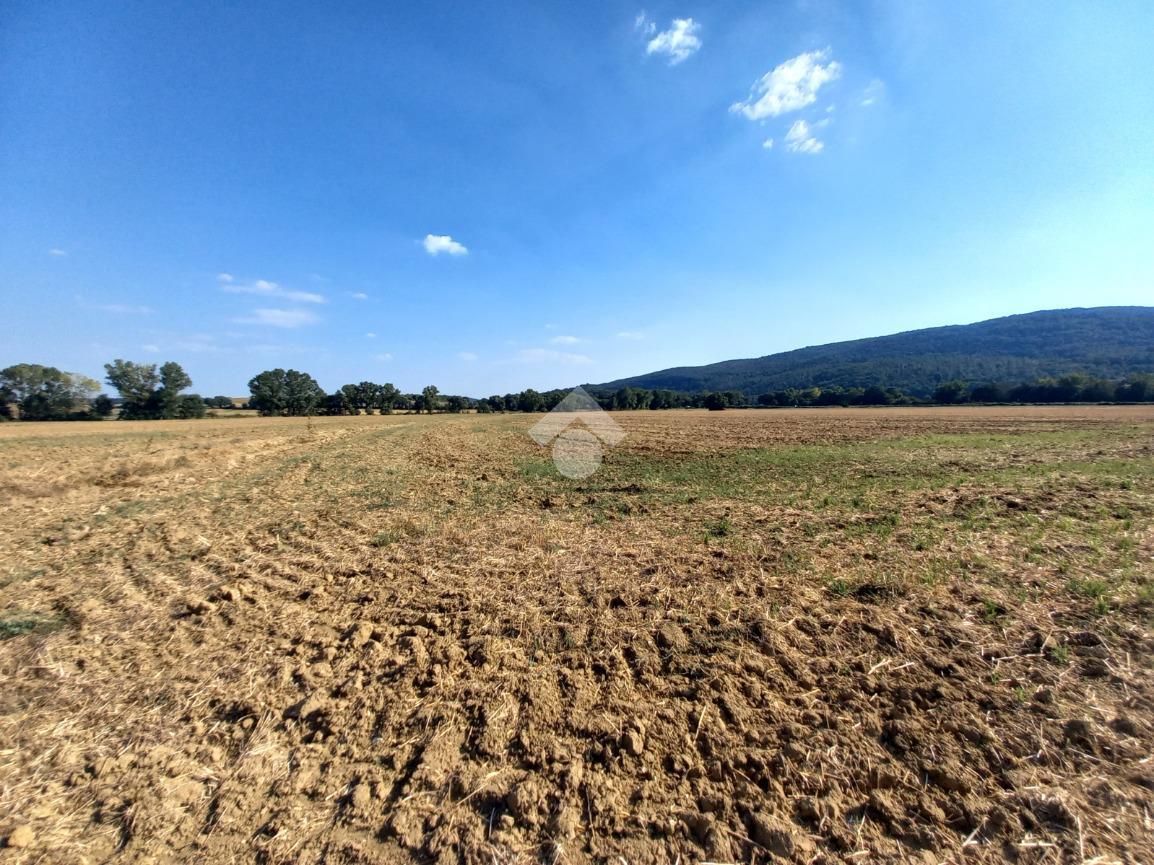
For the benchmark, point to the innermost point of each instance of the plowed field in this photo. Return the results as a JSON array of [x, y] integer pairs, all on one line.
[[752, 636]]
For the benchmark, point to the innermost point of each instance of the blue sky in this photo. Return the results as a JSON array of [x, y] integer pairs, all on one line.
[[495, 196]]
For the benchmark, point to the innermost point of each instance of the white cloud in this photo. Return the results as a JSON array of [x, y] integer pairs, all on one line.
[[873, 92], [370, 335], [631, 334], [435, 244], [385, 357], [790, 86], [678, 43], [265, 288], [201, 343], [643, 24], [359, 295], [547, 355], [566, 340], [58, 252], [800, 139], [225, 277], [119, 308], [279, 317], [151, 348], [467, 356], [767, 144]]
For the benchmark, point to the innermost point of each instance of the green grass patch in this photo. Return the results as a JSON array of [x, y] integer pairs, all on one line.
[[1089, 588], [720, 529], [538, 469], [384, 539], [859, 475], [839, 587], [18, 623]]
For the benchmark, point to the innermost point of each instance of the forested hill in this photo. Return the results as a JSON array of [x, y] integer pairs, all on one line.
[[1109, 341]]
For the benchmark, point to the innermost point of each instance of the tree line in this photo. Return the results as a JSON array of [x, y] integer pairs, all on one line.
[[288, 392], [155, 392], [146, 391], [1075, 387]]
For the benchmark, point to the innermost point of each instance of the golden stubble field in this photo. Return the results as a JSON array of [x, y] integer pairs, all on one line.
[[811, 635]]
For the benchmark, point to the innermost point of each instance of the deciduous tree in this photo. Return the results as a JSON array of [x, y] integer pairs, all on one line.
[[44, 392], [268, 392], [137, 384]]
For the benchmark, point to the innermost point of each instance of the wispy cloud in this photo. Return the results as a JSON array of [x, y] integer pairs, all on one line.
[[547, 355], [767, 144], [279, 317], [384, 357], [467, 356], [678, 43], [874, 91], [370, 335], [271, 349], [265, 288], [200, 343], [630, 334], [566, 340], [359, 295], [58, 252], [117, 308], [436, 244], [790, 86], [800, 139]]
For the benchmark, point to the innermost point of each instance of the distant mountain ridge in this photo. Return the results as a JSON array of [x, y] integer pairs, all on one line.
[[1107, 341]]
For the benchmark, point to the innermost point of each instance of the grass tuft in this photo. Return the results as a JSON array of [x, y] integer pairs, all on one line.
[[20, 623]]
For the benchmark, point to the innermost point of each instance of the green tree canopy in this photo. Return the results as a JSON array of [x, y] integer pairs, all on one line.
[[267, 389], [387, 397], [530, 401], [44, 392], [103, 405], [285, 392], [136, 382], [149, 393], [302, 393], [189, 405], [173, 379], [951, 392], [715, 402]]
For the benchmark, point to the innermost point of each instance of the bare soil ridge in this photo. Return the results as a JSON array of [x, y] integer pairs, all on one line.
[[840, 636]]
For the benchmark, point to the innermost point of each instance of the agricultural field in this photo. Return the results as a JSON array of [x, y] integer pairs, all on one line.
[[912, 635]]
